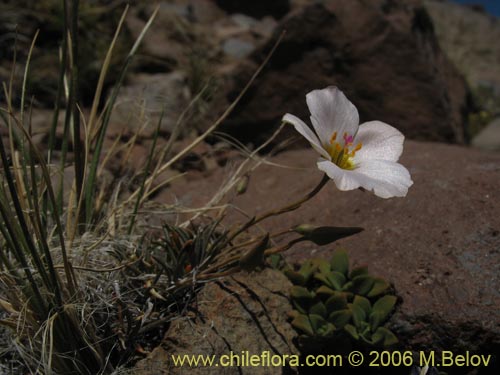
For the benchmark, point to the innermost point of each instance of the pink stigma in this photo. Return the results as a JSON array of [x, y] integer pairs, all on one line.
[[348, 139]]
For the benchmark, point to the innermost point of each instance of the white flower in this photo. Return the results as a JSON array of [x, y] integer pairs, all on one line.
[[353, 155]]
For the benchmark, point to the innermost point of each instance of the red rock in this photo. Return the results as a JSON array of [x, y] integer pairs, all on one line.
[[439, 246]]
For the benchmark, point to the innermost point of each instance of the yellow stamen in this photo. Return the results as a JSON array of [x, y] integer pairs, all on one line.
[[333, 138]]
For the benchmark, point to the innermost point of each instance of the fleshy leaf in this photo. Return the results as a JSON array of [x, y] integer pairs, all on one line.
[[340, 262], [358, 271], [295, 277], [301, 306], [358, 315], [362, 284], [347, 286], [324, 279], [340, 318], [318, 309], [379, 287], [384, 306], [325, 291], [317, 321], [384, 336], [375, 320], [307, 270], [337, 279], [349, 328], [336, 302], [364, 303], [303, 324], [327, 330], [300, 293], [323, 266]]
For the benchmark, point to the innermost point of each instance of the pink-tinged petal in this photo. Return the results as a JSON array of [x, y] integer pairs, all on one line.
[[385, 178], [379, 141], [306, 132], [332, 112]]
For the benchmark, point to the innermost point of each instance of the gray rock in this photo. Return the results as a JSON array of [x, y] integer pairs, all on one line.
[[143, 99], [489, 137], [237, 48]]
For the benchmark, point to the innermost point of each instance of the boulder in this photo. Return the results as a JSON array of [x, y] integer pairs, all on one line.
[[489, 137], [469, 37], [439, 245], [382, 54]]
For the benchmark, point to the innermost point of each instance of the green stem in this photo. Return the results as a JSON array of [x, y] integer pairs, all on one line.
[[296, 204], [282, 210]]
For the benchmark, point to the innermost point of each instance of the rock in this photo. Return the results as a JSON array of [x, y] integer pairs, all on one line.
[[245, 313], [489, 137], [384, 55], [237, 48], [470, 40], [256, 8], [180, 28], [439, 246], [144, 97]]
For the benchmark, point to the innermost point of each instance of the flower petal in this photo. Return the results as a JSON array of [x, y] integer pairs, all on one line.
[[305, 131], [379, 141], [385, 178], [332, 112]]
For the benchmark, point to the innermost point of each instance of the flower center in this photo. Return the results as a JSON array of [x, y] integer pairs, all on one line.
[[342, 154]]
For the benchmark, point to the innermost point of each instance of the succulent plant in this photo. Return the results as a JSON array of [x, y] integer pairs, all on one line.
[[333, 303]]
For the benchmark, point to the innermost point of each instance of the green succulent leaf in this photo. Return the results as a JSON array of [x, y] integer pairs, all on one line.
[[365, 329], [340, 262], [379, 287], [302, 323], [301, 307], [324, 280], [362, 284], [364, 303], [347, 286], [358, 315], [337, 301], [340, 318], [384, 306], [337, 278], [327, 330], [307, 269], [295, 277], [351, 330], [317, 321], [376, 320], [323, 266], [325, 292], [301, 293], [358, 271], [384, 337], [318, 309]]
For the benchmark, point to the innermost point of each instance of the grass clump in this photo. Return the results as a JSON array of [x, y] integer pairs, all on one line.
[[82, 289]]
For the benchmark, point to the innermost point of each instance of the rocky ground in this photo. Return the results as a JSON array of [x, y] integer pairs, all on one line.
[[439, 246], [398, 62]]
